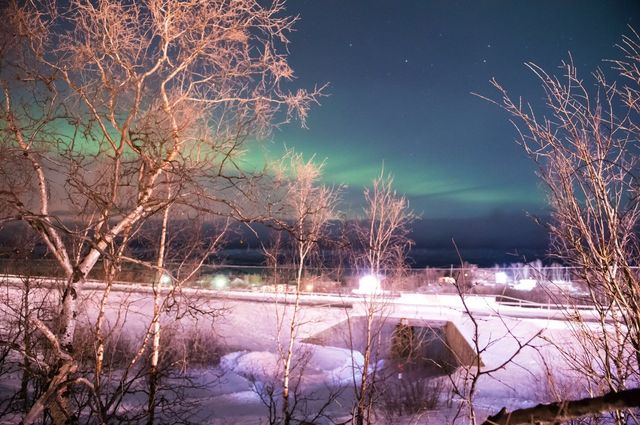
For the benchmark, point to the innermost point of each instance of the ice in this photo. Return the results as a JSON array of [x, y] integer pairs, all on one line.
[[324, 366], [253, 365]]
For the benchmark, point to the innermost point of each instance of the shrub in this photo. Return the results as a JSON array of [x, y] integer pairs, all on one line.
[[412, 395], [192, 347], [119, 347]]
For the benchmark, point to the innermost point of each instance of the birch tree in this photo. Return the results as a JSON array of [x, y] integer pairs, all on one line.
[[383, 234], [303, 212], [382, 243], [584, 141], [101, 99]]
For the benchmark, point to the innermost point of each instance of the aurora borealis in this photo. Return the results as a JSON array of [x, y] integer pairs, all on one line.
[[401, 76], [404, 85]]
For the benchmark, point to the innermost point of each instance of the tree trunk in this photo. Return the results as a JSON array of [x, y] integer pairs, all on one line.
[[363, 395], [24, 323], [286, 413], [54, 398], [156, 328], [563, 411]]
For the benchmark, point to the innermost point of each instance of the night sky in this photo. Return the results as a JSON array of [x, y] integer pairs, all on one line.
[[401, 76]]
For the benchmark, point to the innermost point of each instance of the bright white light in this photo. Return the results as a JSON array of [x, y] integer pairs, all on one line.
[[501, 278], [165, 280], [525, 284], [219, 281], [369, 284]]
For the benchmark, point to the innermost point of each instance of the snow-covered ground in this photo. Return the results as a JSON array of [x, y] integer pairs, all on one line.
[[248, 331]]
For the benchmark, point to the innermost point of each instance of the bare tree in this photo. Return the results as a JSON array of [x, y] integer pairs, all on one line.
[[366, 376], [155, 321], [464, 383], [382, 243], [383, 235], [303, 211], [119, 366], [100, 100], [168, 298], [22, 349], [586, 151]]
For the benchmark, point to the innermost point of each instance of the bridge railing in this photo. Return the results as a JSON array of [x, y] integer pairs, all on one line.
[[521, 285], [521, 303]]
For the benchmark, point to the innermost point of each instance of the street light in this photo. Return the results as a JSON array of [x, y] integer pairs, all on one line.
[[369, 284]]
